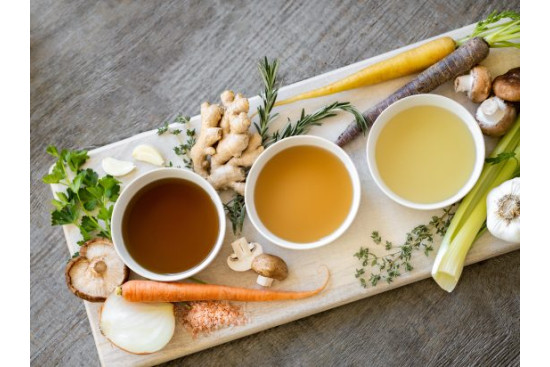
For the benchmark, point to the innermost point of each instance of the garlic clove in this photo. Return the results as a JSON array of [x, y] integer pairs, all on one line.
[[149, 154], [116, 168]]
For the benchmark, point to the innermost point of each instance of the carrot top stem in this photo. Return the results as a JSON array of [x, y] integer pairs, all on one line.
[[497, 34]]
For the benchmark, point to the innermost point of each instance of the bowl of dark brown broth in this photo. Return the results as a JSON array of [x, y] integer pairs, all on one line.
[[168, 224]]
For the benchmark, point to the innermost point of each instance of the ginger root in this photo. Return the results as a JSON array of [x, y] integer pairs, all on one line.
[[225, 147]]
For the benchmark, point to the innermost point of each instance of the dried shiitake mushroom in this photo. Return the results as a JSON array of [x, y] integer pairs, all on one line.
[[96, 272]]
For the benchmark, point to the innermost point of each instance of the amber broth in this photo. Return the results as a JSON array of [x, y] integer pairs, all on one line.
[[170, 226], [425, 154], [303, 194]]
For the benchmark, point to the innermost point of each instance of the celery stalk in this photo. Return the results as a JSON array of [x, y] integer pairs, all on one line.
[[472, 212]]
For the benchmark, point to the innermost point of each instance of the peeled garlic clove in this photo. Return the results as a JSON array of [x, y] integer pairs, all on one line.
[[147, 153], [139, 328], [114, 167]]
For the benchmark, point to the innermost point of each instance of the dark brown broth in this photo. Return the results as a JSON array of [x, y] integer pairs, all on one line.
[[170, 226]]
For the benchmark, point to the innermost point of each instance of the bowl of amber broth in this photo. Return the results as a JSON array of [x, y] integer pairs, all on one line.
[[302, 192], [425, 151], [168, 224]]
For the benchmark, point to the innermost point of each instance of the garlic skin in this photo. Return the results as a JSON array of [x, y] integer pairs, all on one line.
[[503, 211]]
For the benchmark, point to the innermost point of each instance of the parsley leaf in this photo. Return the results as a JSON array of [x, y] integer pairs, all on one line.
[[501, 157], [88, 199]]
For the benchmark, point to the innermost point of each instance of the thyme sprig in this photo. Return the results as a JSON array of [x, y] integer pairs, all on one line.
[[183, 149], [268, 72], [236, 211], [375, 268]]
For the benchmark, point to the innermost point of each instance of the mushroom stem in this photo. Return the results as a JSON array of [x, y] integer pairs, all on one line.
[[99, 267], [464, 83], [264, 281]]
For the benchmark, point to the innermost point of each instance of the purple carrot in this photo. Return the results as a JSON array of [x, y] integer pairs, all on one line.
[[459, 62]]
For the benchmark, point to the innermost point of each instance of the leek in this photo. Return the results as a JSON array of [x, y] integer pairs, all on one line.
[[471, 214]]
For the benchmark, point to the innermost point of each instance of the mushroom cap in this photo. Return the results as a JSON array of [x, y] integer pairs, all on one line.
[[506, 86], [96, 272], [495, 116], [477, 84], [270, 266], [481, 85]]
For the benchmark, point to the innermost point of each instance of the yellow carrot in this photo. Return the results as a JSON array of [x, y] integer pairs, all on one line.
[[405, 63]]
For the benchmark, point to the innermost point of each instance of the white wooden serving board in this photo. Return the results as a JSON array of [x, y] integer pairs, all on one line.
[[376, 212]]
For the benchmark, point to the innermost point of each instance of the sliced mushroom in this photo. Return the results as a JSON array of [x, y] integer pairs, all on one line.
[[477, 84], [269, 267], [96, 272], [506, 86], [495, 116], [243, 254]]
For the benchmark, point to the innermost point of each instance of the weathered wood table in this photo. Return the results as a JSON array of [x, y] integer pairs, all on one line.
[[102, 71]]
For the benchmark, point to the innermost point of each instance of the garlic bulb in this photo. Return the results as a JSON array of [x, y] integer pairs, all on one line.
[[503, 207]]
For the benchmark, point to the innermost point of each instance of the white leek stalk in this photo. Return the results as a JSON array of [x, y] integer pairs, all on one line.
[[472, 212]]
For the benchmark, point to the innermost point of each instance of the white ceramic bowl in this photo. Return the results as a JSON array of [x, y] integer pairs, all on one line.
[[426, 100], [270, 153], [127, 194]]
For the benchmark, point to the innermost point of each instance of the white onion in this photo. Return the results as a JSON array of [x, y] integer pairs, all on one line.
[[139, 328]]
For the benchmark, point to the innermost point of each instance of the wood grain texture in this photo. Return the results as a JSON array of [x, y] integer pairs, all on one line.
[[103, 71]]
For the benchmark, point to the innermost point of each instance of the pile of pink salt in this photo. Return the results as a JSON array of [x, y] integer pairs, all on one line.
[[207, 316]]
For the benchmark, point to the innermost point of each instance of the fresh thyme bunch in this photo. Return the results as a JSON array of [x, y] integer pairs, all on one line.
[[390, 266]]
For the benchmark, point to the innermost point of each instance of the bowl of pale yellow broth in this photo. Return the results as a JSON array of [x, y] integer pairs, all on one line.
[[425, 151], [302, 192]]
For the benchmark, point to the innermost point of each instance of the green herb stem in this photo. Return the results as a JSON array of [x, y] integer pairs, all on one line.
[[497, 34], [305, 122]]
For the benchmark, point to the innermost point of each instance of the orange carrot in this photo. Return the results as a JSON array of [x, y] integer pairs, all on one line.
[[151, 291]]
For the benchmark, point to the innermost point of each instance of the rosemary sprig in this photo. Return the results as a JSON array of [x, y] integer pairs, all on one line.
[[236, 211], [268, 72], [307, 121], [388, 267]]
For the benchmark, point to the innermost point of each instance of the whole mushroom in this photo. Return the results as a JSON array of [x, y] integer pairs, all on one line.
[[96, 272], [269, 267], [506, 86], [495, 116], [477, 84]]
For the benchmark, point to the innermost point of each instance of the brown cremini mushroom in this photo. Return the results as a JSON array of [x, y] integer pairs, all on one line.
[[269, 267], [477, 84], [495, 116], [506, 86], [96, 272]]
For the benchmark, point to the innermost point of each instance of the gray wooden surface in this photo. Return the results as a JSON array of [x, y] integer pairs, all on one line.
[[105, 70]]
